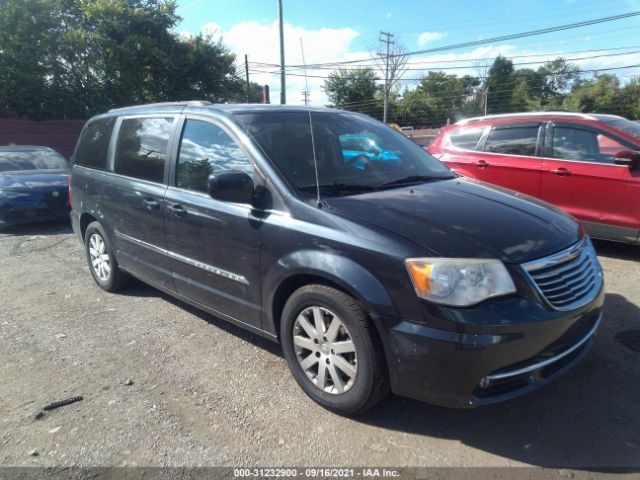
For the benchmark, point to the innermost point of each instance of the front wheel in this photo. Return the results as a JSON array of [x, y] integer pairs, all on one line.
[[333, 350]]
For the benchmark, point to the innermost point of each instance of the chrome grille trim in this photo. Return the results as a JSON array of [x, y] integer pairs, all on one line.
[[567, 279]]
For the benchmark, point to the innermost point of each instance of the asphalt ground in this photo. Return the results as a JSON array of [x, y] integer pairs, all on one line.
[[166, 384]]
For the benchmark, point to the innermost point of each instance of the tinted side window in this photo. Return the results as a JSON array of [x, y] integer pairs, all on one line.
[[205, 149], [513, 141], [93, 146], [577, 144], [142, 148], [466, 138]]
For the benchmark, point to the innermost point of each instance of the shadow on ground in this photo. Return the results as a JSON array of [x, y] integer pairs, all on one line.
[[29, 229], [620, 251]]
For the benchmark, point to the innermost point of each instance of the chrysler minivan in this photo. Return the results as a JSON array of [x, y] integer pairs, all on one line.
[[374, 276]]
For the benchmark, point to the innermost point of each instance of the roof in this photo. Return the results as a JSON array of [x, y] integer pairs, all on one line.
[[204, 105], [506, 116]]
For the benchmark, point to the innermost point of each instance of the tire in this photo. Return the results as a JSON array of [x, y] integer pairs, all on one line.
[[106, 272], [362, 376]]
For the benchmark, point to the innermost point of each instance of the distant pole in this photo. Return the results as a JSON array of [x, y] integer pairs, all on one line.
[[486, 100], [246, 70], [265, 94], [283, 94], [305, 96], [388, 36]]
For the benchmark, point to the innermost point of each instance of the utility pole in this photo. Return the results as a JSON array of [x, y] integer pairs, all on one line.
[[283, 94], [486, 100], [387, 39], [246, 71], [305, 96]]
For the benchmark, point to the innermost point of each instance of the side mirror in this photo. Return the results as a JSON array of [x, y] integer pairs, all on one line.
[[231, 186], [630, 158]]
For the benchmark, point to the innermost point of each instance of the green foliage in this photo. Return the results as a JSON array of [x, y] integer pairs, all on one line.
[[353, 89], [605, 94], [556, 85], [75, 58]]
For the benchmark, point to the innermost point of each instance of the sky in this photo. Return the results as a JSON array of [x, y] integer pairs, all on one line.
[[333, 30]]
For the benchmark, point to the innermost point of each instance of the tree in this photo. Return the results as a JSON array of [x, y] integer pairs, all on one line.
[[75, 58], [438, 97], [499, 84], [603, 94], [352, 89], [557, 78]]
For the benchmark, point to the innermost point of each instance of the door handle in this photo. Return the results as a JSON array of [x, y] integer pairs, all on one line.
[[151, 204], [563, 172], [177, 210], [482, 164]]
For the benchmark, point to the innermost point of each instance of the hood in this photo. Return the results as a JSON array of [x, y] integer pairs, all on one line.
[[31, 180], [466, 219]]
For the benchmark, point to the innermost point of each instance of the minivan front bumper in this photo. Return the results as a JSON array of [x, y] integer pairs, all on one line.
[[490, 357]]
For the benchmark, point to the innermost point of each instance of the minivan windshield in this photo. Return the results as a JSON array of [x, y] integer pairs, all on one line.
[[354, 153]]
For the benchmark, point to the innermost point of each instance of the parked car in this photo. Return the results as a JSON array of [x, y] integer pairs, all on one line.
[[33, 185], [360, 149], [397, 276], [588, 165]]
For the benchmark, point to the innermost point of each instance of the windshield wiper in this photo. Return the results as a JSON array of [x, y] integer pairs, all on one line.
[[410, 180], [339, 187]]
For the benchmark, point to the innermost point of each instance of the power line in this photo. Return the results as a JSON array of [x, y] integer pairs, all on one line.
[[486, 41], [479, 77]]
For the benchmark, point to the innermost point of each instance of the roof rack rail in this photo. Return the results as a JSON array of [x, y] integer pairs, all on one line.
[[584, 116], [186, 103]]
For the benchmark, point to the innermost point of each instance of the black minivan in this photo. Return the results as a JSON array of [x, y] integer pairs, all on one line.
[[374, 272]]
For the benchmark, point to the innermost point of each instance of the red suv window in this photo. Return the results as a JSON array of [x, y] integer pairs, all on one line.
[[513, 140]]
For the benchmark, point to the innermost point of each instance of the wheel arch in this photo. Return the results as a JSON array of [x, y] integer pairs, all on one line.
[[85, 220], [324, 268]]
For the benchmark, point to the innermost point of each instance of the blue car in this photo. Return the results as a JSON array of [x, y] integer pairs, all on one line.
[[33, 185], [356, 147]]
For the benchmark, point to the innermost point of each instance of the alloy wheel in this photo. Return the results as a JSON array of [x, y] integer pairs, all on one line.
[[99, 257], [325, 350]]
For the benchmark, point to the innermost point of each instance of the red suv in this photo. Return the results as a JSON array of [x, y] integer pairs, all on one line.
[[588, 165]]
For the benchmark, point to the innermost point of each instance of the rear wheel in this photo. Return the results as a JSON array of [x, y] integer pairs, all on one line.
[[102, 263], [333, 350]]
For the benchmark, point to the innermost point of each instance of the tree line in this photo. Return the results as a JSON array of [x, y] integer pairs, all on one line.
[[440, 97], [76, 58]]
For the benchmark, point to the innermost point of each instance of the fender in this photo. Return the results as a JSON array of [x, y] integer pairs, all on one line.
[[330, 266]]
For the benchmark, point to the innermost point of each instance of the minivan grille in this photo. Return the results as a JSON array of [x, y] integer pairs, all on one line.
[[567, 279]]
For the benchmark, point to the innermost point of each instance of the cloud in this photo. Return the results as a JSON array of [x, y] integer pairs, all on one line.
[[426, 37], [260, 41]]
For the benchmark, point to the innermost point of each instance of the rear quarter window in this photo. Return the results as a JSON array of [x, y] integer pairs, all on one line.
[[513, 141], [94, 144], [465, 138]]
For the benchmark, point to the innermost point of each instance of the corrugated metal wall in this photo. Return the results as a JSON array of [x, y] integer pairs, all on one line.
[[61, 135]]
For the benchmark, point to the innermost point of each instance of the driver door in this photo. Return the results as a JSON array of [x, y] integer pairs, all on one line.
[[580, 176]]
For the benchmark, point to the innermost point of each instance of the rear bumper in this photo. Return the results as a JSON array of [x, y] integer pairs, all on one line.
[[34, 208], [497, 362]]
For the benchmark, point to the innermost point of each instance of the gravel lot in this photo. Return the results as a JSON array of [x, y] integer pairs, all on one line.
[[207, 393]]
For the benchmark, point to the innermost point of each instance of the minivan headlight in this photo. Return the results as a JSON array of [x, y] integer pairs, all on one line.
[[459, 282]]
